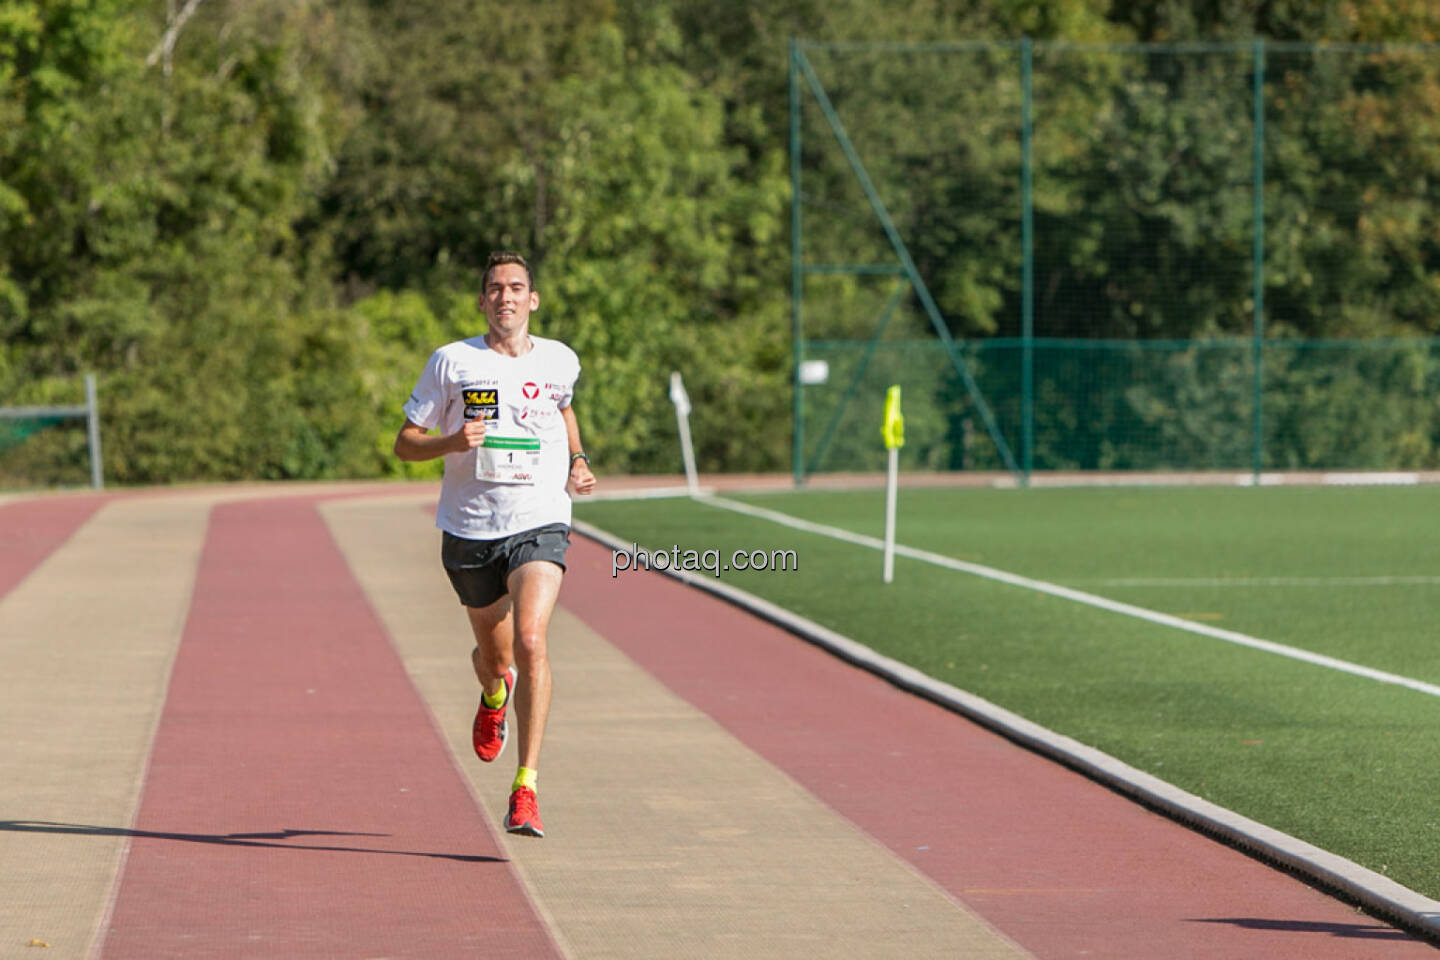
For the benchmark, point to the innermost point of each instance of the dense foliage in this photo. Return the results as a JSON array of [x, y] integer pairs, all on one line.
[[256, 233]]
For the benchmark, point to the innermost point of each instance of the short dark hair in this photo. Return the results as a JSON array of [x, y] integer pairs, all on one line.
[[501, 257]]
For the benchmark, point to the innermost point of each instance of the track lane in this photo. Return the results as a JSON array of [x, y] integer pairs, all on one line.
[[665, 837], [1060, 864], [32, 529], [86, 643], [299, 802]]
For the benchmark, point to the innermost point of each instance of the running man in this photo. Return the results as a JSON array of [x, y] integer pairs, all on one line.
[[507, 431]]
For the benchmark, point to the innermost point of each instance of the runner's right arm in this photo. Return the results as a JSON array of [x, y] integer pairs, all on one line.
[[414, 443]]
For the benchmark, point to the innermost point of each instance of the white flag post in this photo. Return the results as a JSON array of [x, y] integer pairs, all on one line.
[[893, 430], [681, 400]]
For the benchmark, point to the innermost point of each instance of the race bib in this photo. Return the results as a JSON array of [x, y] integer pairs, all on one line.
[[508, 459]]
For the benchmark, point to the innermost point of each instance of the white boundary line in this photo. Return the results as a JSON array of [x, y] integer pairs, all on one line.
[[648, 493], [1079, 596], [1376, 892], [1207, 582]]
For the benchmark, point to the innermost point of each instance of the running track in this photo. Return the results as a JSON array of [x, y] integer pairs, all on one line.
[[236, 725]]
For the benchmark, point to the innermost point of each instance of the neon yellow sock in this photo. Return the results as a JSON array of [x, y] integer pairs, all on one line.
[[497, 701], [524, 777]]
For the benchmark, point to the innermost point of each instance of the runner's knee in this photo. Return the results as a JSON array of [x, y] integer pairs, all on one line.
[[530, 647]]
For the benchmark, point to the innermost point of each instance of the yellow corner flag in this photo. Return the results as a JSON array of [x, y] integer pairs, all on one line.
[[893, 429]]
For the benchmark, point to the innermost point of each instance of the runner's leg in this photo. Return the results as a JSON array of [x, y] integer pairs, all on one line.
[[534, 588], [494, 651]]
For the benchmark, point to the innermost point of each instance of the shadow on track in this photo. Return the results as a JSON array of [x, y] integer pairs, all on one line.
[[233, 839], [1351, 931]]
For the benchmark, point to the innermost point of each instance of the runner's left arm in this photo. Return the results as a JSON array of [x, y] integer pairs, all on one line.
[[582, 479]]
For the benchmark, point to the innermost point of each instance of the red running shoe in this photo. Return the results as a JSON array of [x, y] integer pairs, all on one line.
[[491, 729], [524, 815]]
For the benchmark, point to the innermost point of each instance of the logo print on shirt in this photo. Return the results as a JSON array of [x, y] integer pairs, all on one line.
[[530, 390], [481, 403]]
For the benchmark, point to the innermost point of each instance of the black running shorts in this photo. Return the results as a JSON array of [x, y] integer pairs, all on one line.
[[479, 569]]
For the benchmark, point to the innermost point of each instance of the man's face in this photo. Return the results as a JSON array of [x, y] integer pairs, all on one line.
[[507, 299]]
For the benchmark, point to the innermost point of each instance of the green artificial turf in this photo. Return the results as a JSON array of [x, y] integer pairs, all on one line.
[[1344, 762]]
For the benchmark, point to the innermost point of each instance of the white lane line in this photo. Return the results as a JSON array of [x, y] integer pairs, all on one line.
[[1384, 581], [1078, 596]]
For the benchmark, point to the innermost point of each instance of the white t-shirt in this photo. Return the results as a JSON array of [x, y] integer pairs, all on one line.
[[520, 399]]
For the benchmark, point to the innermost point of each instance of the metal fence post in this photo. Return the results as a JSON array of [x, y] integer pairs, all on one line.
[[797, 282], [92, 418], [1027, 293], [1257, 269]]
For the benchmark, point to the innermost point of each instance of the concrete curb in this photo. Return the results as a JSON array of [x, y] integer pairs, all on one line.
[[1375, 892]]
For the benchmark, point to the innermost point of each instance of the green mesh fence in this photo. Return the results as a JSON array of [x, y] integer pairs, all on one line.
[[1135, 404], [15, 431], [43, 451], [1108, 258]]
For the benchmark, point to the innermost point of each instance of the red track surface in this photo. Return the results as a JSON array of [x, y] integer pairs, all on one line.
[[299, 801], [31, 530], [1060, 864]]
